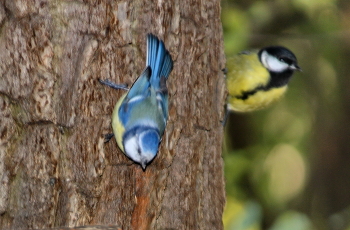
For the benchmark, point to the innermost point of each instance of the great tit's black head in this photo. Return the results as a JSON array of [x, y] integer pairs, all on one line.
[[278, 59]]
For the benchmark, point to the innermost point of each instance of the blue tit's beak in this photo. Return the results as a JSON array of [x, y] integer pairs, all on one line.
[[143, 165]]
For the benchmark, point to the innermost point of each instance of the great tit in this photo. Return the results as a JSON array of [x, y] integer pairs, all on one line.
[[140, 116], [256, 79]]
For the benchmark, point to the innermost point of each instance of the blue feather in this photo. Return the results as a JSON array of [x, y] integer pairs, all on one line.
[[141, 85], [159, 59]]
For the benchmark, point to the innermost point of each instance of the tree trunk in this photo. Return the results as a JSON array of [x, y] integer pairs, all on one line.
[[55, 169]]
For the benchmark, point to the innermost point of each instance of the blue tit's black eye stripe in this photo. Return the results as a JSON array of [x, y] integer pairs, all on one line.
[[139, 151]]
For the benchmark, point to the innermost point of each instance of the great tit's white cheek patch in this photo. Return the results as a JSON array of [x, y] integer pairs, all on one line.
[[272, 63]]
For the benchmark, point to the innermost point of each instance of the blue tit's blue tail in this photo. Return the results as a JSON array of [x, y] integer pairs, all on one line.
[[159, 59]]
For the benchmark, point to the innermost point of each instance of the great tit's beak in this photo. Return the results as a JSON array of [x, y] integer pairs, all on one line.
[[295, 67]]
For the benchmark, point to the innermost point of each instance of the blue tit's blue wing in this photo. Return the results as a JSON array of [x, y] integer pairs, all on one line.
[[141, 85], [138, 92], [127, 109], [147, 99], [159, 59]]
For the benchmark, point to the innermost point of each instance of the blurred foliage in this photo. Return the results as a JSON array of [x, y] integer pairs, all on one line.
[[287, 167]]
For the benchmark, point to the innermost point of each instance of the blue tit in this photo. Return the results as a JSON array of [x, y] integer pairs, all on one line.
[[256, 79], [140, 116]]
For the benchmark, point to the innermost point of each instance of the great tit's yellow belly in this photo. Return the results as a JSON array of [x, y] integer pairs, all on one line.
[[118, 128], [259, 100], [246, 74]]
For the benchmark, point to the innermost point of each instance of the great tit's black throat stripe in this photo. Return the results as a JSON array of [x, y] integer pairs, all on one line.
[[277, 80], [246, 94]]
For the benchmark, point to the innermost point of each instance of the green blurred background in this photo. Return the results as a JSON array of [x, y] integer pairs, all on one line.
[[288, 167]]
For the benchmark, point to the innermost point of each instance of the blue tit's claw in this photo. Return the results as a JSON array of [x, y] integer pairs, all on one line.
[[114, 85], [108, 137]]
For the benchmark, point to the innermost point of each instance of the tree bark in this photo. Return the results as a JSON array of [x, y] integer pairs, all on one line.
[[55, 169]]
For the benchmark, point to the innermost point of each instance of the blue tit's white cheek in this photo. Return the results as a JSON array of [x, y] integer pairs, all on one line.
[[272, 63], [132, 149]]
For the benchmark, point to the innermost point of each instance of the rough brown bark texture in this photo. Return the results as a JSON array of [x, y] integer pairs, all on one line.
[[55, 169]]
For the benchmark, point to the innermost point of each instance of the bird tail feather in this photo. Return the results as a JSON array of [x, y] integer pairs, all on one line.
[[158, 58]]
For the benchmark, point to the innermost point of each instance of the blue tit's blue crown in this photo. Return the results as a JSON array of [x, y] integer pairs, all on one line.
[[140, 129], [149, 141], [141, 144]]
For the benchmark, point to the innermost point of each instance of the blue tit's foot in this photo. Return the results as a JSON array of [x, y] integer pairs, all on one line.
[[108, 137], [113, 85]]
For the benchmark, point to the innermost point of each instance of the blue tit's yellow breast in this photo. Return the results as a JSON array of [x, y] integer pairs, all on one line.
[[118, 128]]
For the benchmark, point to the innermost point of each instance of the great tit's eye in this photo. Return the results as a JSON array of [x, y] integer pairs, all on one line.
[[286, 60], [282, 59]]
